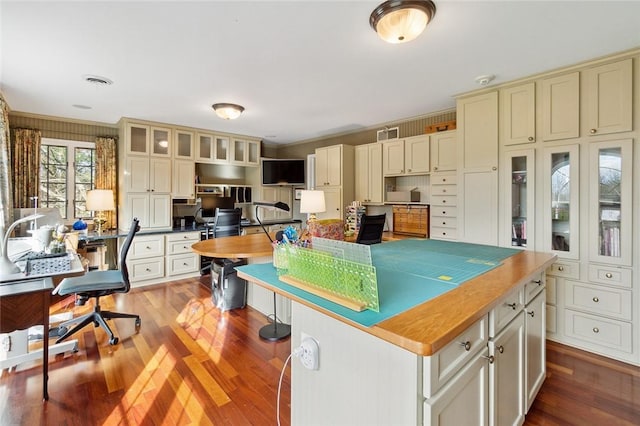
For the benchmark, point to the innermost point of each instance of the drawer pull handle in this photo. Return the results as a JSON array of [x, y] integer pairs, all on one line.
[[444, 179], [596, 330], [501, 349], [608, 275], [490, 358], [532, 313], [444, 201], [147, 269], [512, 305], [444, 223], [184, 247], [185, 264], [444, 190], [530, 138], [466, 345], [539, 282], [148, 248], [444, 212], [593, 131], [560, 268], [595, 299]]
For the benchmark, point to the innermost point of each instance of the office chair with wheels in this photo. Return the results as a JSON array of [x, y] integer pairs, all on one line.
[[371, 228], [97, 284], [225, 224]]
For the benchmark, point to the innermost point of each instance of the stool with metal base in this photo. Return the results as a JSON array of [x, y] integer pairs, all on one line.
[[274, 331]]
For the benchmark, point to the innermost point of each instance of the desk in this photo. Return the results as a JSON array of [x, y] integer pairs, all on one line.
[[24, 303], [243, 246]]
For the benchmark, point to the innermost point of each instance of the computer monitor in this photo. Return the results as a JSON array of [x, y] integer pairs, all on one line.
[[209, 204]]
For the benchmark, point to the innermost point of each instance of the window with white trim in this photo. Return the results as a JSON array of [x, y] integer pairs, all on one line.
[[67, 172]]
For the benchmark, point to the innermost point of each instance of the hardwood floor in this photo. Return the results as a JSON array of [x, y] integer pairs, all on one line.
[[191, 364]]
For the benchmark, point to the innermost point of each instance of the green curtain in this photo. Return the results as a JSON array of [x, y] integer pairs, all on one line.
[[106, 171], [25, 163], [6, 189]]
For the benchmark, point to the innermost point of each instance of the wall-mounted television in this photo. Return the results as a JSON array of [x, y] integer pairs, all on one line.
[[283, 171]]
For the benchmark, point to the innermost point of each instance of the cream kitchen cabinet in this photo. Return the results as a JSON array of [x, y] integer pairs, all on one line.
[[443, 206], [180, 259], [443, 151], [335, 176], [518, 189], [144, 174], [518, 114], [274, 194], [609, 93], [184, 145], [329, 165], [143, 139], [561, 107], [213, 149], [333, 201], [368, 173], [153, 210], [183, 179], [478, 168], [146, 258], [409, 156], [245, 152]]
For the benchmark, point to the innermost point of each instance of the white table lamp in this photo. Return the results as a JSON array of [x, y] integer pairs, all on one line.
[[99, 201], [312, 202]]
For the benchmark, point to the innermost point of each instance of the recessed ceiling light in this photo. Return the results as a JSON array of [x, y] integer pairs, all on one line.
[[484, 80], [81, 106], [96, 79]]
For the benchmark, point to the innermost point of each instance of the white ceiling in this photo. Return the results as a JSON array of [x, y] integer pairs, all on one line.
[[302, 69]]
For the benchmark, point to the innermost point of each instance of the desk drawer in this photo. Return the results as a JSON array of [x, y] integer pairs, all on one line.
[[444, 222], [182, 264], [598, 299], [148, 246], [180, 247], [442, 179], [438, 232], [565, 270], [444, 211], [507, 310], [146, 269], [183, 236], [533, 287], [439, 190], [443, 200], [610, 275], [608, 333]]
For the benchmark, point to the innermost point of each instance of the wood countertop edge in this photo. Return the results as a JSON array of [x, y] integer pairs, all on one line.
[[428, 327]]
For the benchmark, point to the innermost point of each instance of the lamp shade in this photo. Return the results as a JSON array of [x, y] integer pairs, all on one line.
[[99, 200], [228, 111], [312, 201], [400, 21]]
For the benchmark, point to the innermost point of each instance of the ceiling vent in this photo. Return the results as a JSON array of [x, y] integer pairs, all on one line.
[[97, 80], [387, 133]]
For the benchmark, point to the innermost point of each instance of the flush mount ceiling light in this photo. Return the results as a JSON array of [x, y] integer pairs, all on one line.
[[400, 21], [228, 111], [97, 80]]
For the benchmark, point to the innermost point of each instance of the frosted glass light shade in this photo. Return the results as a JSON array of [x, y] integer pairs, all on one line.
[[99, 200], [312, 201], [228, 111], [400, 21]]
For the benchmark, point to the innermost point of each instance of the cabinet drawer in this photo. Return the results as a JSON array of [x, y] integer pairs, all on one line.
[[445, 363], [182, 264], [437, 179], [597, 299], [610, 275], [183, 236], [444, 190], [144, 247], [564, 269], [180, 247], [437, 232], [444, 211], [444, 222], [533, 287], [146, 269], [443, 200], [507, 310], [605, 332]]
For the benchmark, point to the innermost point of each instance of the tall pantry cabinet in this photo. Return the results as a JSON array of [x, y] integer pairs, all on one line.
[[567, 164], [335, 176]]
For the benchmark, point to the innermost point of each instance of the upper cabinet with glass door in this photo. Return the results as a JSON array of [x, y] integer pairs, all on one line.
[[610, 192], [561, 201], [245, 152], [212, 148], [184, 145], [519, 193], [141, 139]]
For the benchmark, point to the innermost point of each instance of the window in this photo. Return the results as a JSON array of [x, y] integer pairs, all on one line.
[[67, 172]]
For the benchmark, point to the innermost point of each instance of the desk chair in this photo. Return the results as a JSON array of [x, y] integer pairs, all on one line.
[[225, 224], [371, 228], [97, 284]]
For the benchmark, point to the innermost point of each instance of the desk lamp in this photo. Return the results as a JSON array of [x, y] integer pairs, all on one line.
[[312, 202], [274, 331], [6, 265], [100, 200]]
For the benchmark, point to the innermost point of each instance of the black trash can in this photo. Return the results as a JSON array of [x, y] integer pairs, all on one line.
[[228, 291]]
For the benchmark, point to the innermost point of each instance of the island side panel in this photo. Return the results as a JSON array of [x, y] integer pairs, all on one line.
[[361, 379]]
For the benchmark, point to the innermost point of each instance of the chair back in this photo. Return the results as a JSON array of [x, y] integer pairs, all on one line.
[[124, 270], [371, 228], [227, 222]]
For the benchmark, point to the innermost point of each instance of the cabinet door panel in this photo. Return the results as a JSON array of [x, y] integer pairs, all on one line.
[[443, 151], [518, 114], [609, 98], [136, 174], [160, 175], [416, 155], [478, 132], [393, 158], [159, 211], [362, 173], [560, 107], [480, 219]]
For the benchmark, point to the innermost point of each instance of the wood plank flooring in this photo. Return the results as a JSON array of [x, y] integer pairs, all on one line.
[[191, 364]]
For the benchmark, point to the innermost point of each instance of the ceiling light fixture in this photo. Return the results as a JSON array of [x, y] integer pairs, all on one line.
[[484, 80], [97, 80], [228, 111], [400, 21]]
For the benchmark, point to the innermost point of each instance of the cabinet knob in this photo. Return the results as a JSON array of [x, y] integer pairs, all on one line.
[[147, 269], [444, 212], [595, 299], [435, 168], [596, 330], [444, 233], [494, 168], [608, 275], [512, 305], [444, 223], [501, 349], [466, 345], [530, 138], [444, 201], [148, 248], [560, 268], [593, 131], [185, 247], [532, 313], [184, 264], [444, 190], [539, 282], [444, 179], [490, 358]]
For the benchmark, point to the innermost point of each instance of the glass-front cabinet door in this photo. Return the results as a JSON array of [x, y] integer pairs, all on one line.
[[610, 192], [221, 149], [519, 195], [160, 142], [562, 201]]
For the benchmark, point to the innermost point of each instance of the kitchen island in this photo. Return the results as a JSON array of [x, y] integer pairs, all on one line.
[[471, 355]]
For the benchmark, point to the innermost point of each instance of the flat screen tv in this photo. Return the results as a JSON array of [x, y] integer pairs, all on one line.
[[283, 172]]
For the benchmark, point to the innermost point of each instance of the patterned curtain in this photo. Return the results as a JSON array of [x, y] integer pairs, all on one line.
[[6, 189], [25, 162], [106, 169]]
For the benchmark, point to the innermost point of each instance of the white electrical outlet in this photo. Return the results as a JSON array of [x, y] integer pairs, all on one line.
[[309, 353]]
